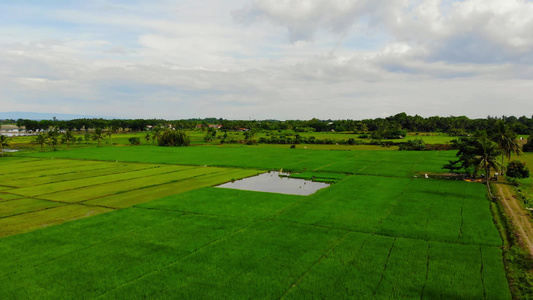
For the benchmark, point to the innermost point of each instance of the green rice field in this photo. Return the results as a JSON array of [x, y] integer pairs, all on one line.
[[148, 222]]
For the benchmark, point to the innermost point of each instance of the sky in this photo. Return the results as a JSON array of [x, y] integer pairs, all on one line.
[[267, 59]]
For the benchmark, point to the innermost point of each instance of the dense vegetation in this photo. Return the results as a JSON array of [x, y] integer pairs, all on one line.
[[389, 127]]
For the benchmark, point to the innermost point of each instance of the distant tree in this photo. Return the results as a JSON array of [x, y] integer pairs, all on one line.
[[52, 139], [452, 165], [68, 138], [87, 137], [156, 134], [506, 140], [4, 143], [174, 138], [98, 135], [112, 130], [517, 170], [528, 147], [486, 158], [147, 137], [134, 141], [40, 139]]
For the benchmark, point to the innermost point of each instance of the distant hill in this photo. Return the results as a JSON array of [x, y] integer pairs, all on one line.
[[15, 115]]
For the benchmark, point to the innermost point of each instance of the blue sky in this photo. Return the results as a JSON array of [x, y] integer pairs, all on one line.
[[270, 59]]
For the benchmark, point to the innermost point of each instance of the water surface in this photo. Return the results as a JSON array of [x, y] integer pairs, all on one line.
[[271, 182]]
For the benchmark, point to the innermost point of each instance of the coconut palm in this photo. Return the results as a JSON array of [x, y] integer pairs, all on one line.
[[4, 142], [51, 138], [112, 130], [98, 135], [68, 138], [506, 140], [156, 134], [40, 139], [486, 158]]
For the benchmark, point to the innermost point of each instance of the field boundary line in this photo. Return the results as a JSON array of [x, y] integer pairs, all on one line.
[[193, 252], [385, 268], [481, 273], [185, 212], [427, 272], [324, 255], [462, 219]]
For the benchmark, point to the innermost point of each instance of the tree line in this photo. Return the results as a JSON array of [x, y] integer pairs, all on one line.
[[455, 126]]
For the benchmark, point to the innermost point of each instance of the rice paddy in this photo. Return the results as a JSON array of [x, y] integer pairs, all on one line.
[[146, 222]]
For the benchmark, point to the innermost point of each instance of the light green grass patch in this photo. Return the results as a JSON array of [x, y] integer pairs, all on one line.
[[89, 171], [106, 189], [19, 206], [34, 177], [146, 172], [8, 197], [134, 197], [40, 219]]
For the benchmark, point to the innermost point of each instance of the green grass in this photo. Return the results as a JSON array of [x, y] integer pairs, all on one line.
[[378, 234], [20, 206], [88, 193], [43, 218], [383, 163]]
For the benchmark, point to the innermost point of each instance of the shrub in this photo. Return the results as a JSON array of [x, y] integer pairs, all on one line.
[[174, 138], [134, 141]]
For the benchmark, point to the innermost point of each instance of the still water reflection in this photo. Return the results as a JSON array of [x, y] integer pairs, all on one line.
[[272, 182]]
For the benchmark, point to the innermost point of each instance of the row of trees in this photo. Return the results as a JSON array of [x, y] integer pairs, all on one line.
[[482, 152], [398, 123]]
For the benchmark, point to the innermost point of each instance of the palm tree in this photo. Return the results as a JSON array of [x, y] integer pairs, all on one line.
[[506, 140], [51, 138], [112, 130], [4, 142], [40, 139], [486, 158], [68, 138], [98, 135], [156, 134]]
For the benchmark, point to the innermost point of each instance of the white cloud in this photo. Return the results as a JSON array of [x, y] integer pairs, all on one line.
[[280, 59]]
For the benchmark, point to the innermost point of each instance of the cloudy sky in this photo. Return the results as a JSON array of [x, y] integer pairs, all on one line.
[[267, 59]]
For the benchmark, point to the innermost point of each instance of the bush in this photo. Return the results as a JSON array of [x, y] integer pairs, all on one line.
[[517, 169], [413, 145], [174, 138], [134, 141]]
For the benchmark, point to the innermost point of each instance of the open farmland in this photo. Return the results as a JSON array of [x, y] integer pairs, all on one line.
[[378, 232]]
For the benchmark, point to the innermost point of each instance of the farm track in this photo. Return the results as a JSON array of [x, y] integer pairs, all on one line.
[[519, 217]]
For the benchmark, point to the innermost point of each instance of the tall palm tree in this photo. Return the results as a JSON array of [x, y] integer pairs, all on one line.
[[98, 135], [51, 138], [112, 130], [40, 139], [506, 140], [156, 134], [486, 158], [68, 138], [4, 142]]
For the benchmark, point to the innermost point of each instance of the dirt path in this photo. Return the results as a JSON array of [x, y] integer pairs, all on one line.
[[518, 215]]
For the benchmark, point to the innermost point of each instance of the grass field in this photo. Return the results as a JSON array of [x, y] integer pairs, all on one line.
[[153, 226]]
